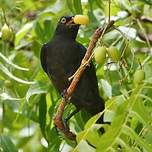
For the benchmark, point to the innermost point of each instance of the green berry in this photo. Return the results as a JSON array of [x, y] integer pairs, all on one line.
[[100, 54], [139, 76], [114, 53], [8, 83]]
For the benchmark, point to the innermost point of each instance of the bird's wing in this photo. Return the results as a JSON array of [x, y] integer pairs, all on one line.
[[90, 71], [43, 57], [86, 95]]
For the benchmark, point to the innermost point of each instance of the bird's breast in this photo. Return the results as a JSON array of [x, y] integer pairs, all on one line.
[[62, 62]]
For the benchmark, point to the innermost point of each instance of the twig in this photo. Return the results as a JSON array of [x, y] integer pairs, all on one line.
[[149, 36], [144, 33], [146, 19], [58, 117]]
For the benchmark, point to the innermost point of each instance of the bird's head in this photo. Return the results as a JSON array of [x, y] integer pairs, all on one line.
[[68, 25]]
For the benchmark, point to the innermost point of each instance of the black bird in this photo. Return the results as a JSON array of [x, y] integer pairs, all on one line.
[[61, 57]]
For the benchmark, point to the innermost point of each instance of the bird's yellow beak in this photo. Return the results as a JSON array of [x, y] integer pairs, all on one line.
[[81, 19]]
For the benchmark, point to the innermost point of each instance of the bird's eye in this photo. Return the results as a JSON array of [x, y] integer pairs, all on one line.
[[63, 20]]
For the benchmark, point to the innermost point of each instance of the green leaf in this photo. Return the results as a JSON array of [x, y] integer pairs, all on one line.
[[23, 141], [70, 6], [111, 37], [37, 88], [91, 4], [78, 6], [21, 33], [141, 112], [93, 135], [54, 140], [148, 137], [42, 113], [128, 131], [125, 145], [6, 144], [109, 137], [9, 74], [109, 115], [49, 28], [147, 1], [93, 120], [124, 4], [12, 64], [106, 88], [80, 136], [5, 96], [89, 125], [99, 3], [83, 146], [40, 32]]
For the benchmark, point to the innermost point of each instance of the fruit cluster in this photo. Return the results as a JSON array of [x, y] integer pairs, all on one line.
[[101, 51]]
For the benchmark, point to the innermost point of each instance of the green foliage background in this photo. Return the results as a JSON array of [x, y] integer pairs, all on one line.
[[28, 99]]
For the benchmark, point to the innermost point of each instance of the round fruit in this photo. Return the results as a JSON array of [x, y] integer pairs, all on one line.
[[114, 53], [8, 83], [100, 54], [81, 19], [7, 33], [139, 76]]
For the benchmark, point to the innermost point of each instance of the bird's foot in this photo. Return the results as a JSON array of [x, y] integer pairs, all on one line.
[[65, 122], [63, 93]]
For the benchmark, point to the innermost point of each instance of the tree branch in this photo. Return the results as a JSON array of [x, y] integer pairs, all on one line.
[[146, 19], [149, 37], [58, 117]]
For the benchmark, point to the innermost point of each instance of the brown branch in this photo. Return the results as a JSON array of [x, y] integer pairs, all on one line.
[[142, 37], [146, 19], [58, 117]]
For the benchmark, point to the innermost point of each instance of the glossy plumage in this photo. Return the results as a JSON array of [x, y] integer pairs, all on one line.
[[61, 57]]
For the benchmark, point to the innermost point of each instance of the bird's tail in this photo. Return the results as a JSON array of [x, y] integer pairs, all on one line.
[[98, 106]]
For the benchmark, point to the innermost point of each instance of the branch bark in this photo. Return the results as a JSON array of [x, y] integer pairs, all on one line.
[[58, 117], [149, 37], [146, 19]]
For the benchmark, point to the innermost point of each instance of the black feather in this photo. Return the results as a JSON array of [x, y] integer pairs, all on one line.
[[60, 58]]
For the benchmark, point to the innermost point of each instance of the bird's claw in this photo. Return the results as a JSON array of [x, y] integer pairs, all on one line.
[[65, 122], [63, 93], [88, 64]]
